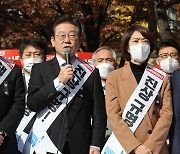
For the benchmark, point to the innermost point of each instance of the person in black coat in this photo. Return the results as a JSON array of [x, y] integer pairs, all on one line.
[[80, 127], [175, 127], [12, 103]]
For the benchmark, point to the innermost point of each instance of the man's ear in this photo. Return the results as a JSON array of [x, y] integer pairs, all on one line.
[[52, 41]]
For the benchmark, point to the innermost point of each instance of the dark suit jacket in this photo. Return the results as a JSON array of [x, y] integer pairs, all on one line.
[[12, 108], [175, 128], [88, 103]]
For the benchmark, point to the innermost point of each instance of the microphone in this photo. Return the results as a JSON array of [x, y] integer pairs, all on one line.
[[67, 52]]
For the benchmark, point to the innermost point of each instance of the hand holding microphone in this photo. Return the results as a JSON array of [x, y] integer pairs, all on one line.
[[66, 72]]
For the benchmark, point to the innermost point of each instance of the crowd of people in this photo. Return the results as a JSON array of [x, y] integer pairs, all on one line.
[[69, 106]]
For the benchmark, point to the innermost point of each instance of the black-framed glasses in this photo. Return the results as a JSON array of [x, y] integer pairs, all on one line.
[[166, 55], [71, 35]]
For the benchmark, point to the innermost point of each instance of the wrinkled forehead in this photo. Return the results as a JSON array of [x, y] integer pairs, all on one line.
[[104, 53]]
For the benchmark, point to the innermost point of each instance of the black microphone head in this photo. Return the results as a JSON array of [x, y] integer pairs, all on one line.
[[67, 50]]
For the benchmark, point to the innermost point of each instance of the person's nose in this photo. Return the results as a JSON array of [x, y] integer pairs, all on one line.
[[140, 41], [67, 39], [104, 61], [32, 56]]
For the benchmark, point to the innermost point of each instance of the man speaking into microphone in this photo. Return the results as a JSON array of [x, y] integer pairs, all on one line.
[[68, 98]]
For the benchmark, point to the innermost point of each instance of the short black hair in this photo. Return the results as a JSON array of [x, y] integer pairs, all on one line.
[[35, 42], [127, 35], [67, 19], [167, 43]]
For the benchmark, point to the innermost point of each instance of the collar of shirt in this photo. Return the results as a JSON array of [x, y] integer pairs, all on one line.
[[103, 84], [104, 87], [27, 77]]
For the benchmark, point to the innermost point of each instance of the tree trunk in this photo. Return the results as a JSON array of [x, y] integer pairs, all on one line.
[[92, 35], [162, 20]]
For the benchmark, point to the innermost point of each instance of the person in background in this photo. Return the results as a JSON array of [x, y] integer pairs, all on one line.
[[168, 59], [175, 128], [31, 51], [104, 58], [66, 91], [12, 95], [168, 52], [168, 55], [128, 90]]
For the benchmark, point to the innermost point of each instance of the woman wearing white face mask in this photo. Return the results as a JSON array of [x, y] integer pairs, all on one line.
[[168, 52], [137, 130]]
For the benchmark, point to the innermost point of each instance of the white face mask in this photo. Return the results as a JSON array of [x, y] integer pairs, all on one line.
[[29, 62], [139, 52], [104, 69], [169, 64]]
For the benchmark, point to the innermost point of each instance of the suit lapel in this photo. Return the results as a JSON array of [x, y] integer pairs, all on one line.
[[129, 85], [54, 68], [129, 82]]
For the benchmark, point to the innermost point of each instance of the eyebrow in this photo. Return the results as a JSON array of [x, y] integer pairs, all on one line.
[[169, 53], [105, 58], [29, 52]]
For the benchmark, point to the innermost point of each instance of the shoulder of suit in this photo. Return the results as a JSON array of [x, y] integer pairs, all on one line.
[[44, 63], [16, 68], [176, 73], [94, 72]]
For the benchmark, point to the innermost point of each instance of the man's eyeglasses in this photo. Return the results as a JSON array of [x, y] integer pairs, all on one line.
[[166, 55], [72, 36]]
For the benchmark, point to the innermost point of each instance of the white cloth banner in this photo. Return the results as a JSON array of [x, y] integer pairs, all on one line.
[[137, 106], [5, 68], [22, 131], [38, 137], [21, 135]]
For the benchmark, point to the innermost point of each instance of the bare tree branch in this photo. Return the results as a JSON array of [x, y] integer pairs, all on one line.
[[108, 38], [14, 12], [58, 9], [102, 14]]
